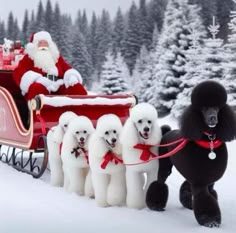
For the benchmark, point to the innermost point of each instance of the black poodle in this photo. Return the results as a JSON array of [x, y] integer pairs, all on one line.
[[205, 126]]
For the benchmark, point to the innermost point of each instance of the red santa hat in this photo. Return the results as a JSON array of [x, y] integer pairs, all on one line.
[[42, 35]]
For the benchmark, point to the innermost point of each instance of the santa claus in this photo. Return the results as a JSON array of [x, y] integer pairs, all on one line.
[[44, 71]]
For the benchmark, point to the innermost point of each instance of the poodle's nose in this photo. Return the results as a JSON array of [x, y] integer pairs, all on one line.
[[113, 140], [211, 117], [146, 129], [82, 139]]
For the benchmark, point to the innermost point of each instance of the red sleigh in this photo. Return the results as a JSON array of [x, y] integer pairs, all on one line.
[[23, 126]]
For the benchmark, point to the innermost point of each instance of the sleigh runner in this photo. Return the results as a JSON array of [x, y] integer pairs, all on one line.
[[23, 125]]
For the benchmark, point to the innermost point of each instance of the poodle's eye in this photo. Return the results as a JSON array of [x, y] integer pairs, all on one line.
[[77, 132], [85, 131], [149, 122], [140, 121], [114, 131], [65, 125], [106, 132]]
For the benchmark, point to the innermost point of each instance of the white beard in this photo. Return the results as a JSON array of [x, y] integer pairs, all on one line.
[[44, 60]]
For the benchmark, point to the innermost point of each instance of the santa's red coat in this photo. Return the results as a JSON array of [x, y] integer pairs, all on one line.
[[27, 64]]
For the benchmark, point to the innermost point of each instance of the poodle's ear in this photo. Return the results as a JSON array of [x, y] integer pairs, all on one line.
[[58, 134], [191, 124], [156, 134], [226, 128], [129, 135]]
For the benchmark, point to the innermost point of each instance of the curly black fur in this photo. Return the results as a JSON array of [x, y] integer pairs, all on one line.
[[193, 162]]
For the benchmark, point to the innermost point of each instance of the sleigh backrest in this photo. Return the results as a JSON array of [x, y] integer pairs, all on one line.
[[7, 82]]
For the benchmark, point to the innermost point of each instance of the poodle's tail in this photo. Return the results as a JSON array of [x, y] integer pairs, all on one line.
[[165, 129]]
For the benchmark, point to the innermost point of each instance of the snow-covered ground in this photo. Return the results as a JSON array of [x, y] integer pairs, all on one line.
[[29, 205]]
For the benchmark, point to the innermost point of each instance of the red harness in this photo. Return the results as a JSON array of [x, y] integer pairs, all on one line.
[[109, 157]]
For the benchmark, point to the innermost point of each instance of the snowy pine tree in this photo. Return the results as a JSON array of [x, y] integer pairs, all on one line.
[[65, 44], [103, 38], [191, 78], [230, 68], [49, 20], [145, 29], [25, 27], [175, 40], [132, 43], [2, 31], [81, 59], [141, 83], [156, 11], [118, 32], [206, 62], [112, 81], [56, 29], [40, 20], [92, 42]]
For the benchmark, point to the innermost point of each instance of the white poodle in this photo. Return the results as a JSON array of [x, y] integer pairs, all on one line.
[[54, 140], [108, 172], [140, 136], [74, 154]]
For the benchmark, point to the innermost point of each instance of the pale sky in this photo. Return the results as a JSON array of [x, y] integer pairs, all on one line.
[[66, 6]]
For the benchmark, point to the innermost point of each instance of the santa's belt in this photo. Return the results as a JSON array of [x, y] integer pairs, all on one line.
[[52, 77]]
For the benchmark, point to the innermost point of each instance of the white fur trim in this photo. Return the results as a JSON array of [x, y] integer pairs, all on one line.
[[72, 72], [29, 48], [42, 35], [44, 81], [27, 79]]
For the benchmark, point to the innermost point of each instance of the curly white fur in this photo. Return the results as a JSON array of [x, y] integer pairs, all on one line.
[[109, 181], [142, 116], [74, 154], [54, 139]]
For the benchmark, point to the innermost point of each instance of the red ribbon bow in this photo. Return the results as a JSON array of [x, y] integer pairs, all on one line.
[[109, 157], [146, 153], [78, 153]]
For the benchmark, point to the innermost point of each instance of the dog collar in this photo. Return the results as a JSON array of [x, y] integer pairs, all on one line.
[[207, 144], [77, 152], [211, 145]]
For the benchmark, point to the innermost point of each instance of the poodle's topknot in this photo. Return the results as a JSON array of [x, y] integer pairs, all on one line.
[[209, 94], [143, 110]]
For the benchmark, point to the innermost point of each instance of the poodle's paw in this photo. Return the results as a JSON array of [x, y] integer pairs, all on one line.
[[89, 193], [157, 196], [213, 222], [185, 195], [80, 192], [206, 210], [117, 200], [116, 195], [101, 203], [56, 183], [135, 204]]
